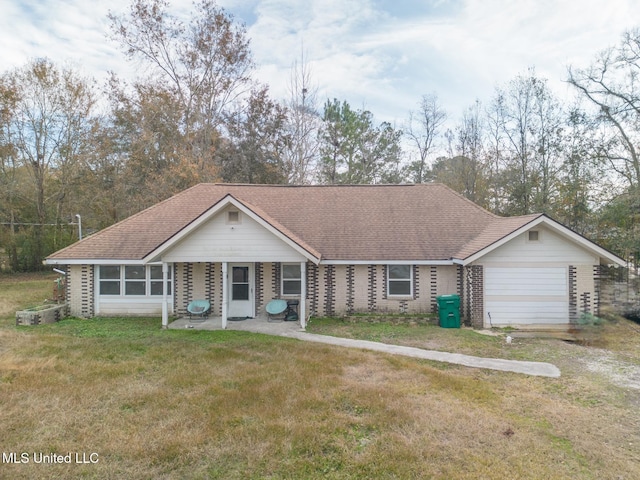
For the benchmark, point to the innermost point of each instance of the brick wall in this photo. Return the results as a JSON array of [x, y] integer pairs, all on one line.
[[331, 289], [346, 289], [312, 288], [350, 289], [81, 290], [259, 286], [573, 295], [329, 282], [586, 291], [474, 295], [209, 281]]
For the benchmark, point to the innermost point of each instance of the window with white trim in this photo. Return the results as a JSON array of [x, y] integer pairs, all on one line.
[[155, 280], [133, 280], [291, 279], [399, 280], [109, 280]]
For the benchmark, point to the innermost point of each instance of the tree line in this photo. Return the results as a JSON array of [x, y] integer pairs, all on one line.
[[197, 113]]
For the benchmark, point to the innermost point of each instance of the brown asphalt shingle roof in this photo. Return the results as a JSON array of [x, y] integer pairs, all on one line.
[[499, 228], [356, 222]]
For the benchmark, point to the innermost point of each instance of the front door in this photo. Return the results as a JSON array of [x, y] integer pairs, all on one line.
[[241, 301]]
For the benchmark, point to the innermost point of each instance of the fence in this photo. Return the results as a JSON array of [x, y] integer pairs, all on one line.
[[620, 287]]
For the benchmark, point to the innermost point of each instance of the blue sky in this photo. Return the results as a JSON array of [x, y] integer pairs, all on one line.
[[382, 55]]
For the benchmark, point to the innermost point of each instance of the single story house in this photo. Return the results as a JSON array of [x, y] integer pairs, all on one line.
[[337, 250]]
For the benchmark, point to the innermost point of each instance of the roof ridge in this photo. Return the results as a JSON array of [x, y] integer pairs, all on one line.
[[465, 199], [331, 185], [336, 221]]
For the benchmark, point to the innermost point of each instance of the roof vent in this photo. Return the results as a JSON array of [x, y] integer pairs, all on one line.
[[233, 216]]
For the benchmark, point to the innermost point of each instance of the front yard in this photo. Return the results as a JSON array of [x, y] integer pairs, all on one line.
[[221, 404]]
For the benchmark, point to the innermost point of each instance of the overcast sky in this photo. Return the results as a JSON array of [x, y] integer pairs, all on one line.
[[382, 55]]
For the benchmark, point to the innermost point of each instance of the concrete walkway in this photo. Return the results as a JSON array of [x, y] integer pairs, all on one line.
[[292, 330], [538, 369]]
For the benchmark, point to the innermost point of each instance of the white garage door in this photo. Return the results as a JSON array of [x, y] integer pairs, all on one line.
[[526, 296]]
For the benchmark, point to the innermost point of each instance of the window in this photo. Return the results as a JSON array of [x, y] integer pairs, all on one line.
[[110, 280], [132, 280], [399, 280], [155, 283], [240, 283], [534, 235], [291, 279]]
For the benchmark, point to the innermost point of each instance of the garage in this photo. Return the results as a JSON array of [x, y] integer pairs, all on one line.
[[526, 296]]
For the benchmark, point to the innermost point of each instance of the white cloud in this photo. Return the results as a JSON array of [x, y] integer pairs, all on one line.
[[382, 54]]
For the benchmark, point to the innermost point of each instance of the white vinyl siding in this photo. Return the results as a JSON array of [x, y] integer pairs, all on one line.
[[526, 295], [550, 248], [526, 281], [246, 241]]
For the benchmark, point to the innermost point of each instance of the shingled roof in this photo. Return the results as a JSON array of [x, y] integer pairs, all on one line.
[[427, 222]]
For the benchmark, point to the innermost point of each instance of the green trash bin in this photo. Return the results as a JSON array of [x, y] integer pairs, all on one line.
[[449, 310]]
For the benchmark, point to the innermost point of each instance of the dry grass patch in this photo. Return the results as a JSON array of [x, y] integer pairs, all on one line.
[[22, 291], [234, 405]]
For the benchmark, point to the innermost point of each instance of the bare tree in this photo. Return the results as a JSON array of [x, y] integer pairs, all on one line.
[[303, 123], [204, 66], [423, 130], [9, 164], [611, 85], [46, 129], [529, 119], [469, 144]]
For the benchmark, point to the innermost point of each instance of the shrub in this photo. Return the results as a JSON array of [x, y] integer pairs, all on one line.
[[632, 313], [589, 320]]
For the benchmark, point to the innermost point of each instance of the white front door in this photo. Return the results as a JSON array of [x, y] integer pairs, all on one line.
[[241, 298]]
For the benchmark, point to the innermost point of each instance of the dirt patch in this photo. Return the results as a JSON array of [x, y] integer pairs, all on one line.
[[618, 372]]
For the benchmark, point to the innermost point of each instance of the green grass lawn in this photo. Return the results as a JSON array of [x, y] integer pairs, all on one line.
[[152, 403]]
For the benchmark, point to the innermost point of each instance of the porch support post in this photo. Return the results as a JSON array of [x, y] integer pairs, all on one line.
[[303, 295], [165, 295], [225, 299]]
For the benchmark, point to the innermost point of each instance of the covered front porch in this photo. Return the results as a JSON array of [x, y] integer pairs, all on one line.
[[236, 292], [238, 260]]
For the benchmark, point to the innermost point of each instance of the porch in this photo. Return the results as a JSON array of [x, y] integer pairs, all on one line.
[[259, 324], [236, 290]]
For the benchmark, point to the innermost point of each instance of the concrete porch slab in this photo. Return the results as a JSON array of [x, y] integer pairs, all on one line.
[[259, 324]]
